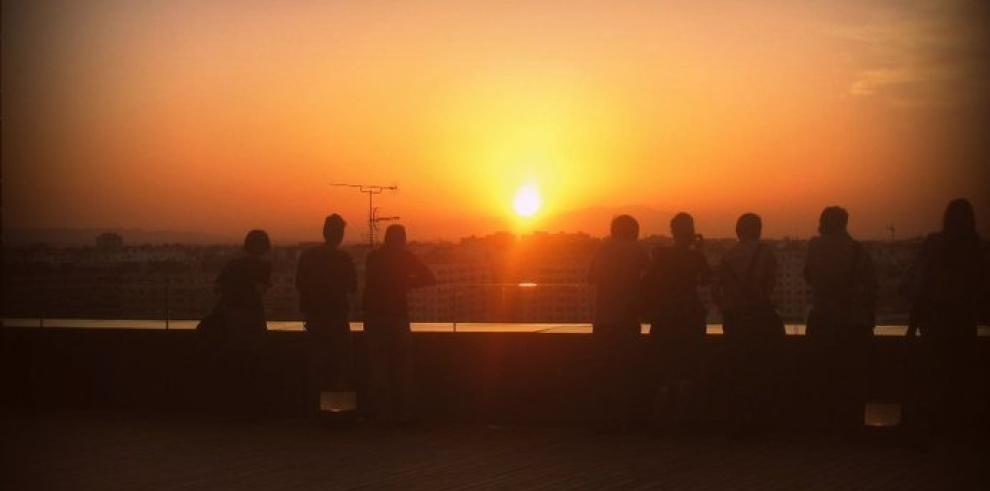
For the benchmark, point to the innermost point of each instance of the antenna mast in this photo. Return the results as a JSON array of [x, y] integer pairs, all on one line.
[[371, 190]]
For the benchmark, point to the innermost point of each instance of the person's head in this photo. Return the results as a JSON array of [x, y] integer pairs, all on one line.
[[625, 227], [395, 236], [833, 221], [256, 243], [333, 229], [682, 229], [959, 219], [749, 227]]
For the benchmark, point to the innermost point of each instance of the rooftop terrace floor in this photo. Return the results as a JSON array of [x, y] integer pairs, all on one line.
[[100, 451]]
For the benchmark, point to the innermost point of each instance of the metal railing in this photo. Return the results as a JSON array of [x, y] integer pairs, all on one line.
[[444, 307]]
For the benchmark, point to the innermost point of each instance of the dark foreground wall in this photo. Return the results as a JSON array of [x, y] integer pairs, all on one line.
[[467, 376]]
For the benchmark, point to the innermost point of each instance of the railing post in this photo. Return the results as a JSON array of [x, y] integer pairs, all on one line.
[[166, 304], [43, 301]]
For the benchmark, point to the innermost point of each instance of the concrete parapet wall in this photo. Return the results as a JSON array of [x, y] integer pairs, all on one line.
[[516, 377]]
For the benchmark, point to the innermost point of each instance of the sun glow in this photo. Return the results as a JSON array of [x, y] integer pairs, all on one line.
[[527, 201]]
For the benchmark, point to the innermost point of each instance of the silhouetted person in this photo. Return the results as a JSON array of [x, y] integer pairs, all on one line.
[[241, 313], [945, 288], [616, 272], [324, 278], [753, 330], [391, 271], [839, 271], [677, 316], [242, 283]]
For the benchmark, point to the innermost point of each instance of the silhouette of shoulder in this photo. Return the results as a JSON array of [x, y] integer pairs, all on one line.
[[674, 275], [239, 279], [617, 260], [324, 277], [396, 269], [679, 260], [389, 275], [246, 269], [953, 266], [320, 265], [326, 255]]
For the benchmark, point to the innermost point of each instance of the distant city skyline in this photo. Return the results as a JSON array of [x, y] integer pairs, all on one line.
[[534, 278], [355, 235]]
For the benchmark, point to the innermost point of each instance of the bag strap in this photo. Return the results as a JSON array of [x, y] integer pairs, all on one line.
[[747, 276]]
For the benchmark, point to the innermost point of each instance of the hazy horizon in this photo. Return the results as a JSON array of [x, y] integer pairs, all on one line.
[[74, 237], [219, 117]]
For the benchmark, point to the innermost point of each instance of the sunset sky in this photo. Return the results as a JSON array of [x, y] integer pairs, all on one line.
[[224, 116]]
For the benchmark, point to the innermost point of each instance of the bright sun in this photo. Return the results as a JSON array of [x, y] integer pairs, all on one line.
[[527, 201]]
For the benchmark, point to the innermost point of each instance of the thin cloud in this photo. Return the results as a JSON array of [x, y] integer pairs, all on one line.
[[919, 53]]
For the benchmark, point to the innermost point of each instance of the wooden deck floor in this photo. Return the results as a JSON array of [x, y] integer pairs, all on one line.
[[85, 451]]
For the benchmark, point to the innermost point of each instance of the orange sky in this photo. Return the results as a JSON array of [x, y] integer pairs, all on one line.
[[225, 116]]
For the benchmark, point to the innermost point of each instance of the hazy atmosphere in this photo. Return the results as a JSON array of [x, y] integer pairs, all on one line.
[[213, 118]]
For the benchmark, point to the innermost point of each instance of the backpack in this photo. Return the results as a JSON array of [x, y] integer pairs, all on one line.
[[758, 318]]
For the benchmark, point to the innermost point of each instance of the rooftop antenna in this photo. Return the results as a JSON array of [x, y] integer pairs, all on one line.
[[371, 190], [375, 219]]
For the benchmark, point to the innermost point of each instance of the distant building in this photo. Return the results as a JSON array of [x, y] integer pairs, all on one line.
[[539, 277], [791, 293]]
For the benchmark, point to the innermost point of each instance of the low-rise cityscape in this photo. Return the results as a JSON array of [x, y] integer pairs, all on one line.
[[537, 277]]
